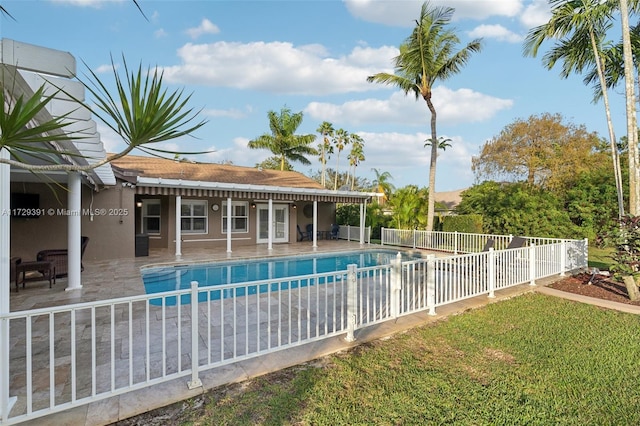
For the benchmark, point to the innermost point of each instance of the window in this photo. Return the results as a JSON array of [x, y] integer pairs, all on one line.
[[239, 217], [151, 217], [193, 216]]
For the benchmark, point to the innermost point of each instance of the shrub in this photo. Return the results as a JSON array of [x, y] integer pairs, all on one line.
[[469, 223]]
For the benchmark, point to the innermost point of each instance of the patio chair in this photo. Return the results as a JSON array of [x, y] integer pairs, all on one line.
[[302, 236], [517, 242], [309, 229], [335, 230], [60, 257], [489, 244]]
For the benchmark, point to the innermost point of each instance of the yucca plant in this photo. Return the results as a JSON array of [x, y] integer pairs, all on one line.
[[22, 134], [142, 112]]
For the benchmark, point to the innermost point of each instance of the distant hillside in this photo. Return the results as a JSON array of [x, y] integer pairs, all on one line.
[[450, 198]]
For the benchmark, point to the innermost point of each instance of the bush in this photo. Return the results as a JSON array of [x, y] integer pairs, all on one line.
[[625, 239], [468, 223]]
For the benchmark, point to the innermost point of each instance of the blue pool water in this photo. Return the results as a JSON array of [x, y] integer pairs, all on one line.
[[161, 279]]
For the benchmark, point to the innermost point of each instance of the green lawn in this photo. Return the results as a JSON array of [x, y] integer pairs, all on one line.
[[533, 359], [600, 258]]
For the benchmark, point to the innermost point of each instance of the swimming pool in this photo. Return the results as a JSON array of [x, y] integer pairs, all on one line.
[[162, 279]]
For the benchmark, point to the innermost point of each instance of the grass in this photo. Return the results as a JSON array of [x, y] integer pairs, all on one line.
[[533, 359], [600, 258]]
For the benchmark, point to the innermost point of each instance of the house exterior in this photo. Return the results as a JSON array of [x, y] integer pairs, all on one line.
[[197, 201]]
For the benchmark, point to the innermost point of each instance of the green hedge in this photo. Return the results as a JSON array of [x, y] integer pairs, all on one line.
[[469, 223]]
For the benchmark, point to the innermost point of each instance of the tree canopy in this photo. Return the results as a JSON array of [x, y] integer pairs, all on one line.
[[283, 141], [542, 150]]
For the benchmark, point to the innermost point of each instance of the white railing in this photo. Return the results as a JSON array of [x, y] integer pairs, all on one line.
[[459, 242], [352, 233], [67, 356]]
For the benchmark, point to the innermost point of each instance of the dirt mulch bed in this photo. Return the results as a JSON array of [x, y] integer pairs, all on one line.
[[601, 287]]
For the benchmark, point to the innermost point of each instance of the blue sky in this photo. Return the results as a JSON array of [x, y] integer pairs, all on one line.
[[241, 59]]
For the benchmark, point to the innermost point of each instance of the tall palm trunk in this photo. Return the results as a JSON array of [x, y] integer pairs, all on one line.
[[323, 179], [615, 158], [431, 200], [632, 131], [335, 182]]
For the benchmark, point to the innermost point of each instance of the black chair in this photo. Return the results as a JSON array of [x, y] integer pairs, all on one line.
[[60, 257], [489, 244], [302, 236], [517, 242], [335, 231], [309, 229]]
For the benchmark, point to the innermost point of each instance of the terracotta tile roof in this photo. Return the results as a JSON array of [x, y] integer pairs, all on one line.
[[153, 167]]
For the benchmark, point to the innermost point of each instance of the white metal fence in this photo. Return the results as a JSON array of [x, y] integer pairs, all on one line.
[[71, 355], [352, 233]]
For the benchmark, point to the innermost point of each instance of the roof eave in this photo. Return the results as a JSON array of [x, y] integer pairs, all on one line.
[[190, 184]]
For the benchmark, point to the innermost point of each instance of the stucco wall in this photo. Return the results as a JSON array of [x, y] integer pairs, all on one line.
[[110, 228], [214, 237]]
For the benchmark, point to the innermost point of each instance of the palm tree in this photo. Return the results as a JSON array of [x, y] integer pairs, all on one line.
[[632, 127], [426, 56], [340, 140], [356, 155], [283, 142], [381, 184], [326, 130], [580, 25]]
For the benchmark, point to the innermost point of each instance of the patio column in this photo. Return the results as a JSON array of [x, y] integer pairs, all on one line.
[[178, 225], [74, 281], [6, 403], [270, 226], [363, 212], [315, 224], [228, 224]]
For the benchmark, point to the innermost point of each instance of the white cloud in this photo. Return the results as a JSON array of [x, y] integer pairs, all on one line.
[[205, 27], [101, 69], [404, 155], [279, 67], [84, 3], [404, 13], [535, 14], [452, 106], [237, 154], [229, 113], [497, 32], [393, 150], [111, 140], [160, 33]]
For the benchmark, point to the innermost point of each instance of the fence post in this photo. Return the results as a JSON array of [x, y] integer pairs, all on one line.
[[492, 273], [532, 264], [382, 235], [352, 299], [396, 285], [431, 283], [455, 242], [195, 381], [414, 239], [585, 255], [563, 258], [348, 232]]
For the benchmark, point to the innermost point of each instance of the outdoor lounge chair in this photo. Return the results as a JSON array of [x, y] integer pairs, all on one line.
[[489, 244], [60, 257], [517, 242]]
